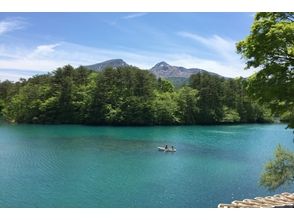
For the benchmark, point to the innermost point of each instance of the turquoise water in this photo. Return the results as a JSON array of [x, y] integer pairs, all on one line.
[[84, 166]]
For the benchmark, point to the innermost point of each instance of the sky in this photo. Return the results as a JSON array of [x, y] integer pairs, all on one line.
[[36, 43]]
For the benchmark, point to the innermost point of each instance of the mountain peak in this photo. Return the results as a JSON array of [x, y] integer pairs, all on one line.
[[113, 63], [165, 70], [162, 64]]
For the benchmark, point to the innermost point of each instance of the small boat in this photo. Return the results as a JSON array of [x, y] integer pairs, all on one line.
[[170, 150], [167, 149], [161, 148]]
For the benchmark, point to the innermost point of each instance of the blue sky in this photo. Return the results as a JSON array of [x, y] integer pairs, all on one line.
[[32, 43]]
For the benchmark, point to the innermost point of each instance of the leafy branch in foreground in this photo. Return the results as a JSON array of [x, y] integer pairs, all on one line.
[[270, 48], [280, 170]]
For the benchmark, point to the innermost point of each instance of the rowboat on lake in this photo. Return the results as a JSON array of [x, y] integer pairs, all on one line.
[[167, 149]]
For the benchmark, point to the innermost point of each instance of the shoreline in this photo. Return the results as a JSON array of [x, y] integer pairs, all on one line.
[[172, 125]]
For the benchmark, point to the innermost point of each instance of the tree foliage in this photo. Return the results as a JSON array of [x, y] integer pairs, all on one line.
[[188, 107], [126, 96], [280, 170], [210, 97], [224, 100], [270, 49]]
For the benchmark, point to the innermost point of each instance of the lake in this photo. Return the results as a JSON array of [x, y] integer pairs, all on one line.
[[87, 166]]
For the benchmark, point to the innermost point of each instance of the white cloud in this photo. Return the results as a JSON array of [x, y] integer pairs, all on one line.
[[48, 48], [224, 47], [16, 74], [215, 66], [228, 62], [47, 57], [11, 24], [43, 50], [10, 76], [134, 15]]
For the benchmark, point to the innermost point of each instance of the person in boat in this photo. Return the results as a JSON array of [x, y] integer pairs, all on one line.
[[165, 147], [172, 147]]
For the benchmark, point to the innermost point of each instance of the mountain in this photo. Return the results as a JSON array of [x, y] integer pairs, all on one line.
[[109, 63], [165, 70], [176, 74]]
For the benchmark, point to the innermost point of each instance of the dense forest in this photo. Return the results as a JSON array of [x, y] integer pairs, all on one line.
[[127, 96]]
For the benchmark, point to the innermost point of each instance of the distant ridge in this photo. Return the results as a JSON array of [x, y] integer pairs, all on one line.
[[161, 69]]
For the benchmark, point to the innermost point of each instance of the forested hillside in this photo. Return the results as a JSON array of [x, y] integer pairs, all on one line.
[[127, 96]]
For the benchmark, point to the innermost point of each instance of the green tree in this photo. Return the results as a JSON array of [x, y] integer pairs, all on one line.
[[280, 170], [7, 90], [63, 86], [188, 105], [33, 102], [165, 85], [123, 96], [230, 115], [137, 111], [98, 91], [210, 89], [165, 108], [82, 94], [270, 48]]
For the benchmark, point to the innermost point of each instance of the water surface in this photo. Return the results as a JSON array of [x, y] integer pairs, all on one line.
[[84, 166]]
